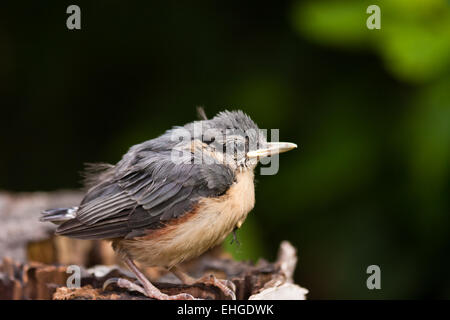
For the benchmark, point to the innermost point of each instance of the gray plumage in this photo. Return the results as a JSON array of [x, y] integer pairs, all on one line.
[[147, 188]]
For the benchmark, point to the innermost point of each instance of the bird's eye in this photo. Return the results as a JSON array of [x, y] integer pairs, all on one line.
[[239, 146], [208, 140]]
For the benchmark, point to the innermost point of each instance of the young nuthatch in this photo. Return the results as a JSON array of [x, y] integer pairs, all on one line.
[[173, 197]]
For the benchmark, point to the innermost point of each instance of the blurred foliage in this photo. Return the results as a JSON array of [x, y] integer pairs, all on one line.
[[369, 109], [415, 39]]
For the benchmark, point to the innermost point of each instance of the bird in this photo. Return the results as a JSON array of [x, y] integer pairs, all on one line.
[[171, 198]]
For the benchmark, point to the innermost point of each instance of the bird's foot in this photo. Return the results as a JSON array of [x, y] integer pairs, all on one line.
[[226, 286], [149, 291]]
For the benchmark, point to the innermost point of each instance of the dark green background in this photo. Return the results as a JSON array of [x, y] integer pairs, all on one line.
[[370, 111]]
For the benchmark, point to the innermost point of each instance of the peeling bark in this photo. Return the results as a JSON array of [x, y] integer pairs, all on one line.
[[35, 262]]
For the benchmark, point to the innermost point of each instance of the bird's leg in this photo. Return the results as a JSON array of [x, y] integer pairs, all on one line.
[[226, 286], [235, 238], [147, 288]]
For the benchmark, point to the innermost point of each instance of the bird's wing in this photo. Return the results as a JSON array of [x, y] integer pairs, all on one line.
[[131, 204]]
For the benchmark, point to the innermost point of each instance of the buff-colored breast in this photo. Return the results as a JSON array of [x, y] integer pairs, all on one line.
[[191, 235]]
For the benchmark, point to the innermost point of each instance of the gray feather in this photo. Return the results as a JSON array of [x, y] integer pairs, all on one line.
[[146, 187]]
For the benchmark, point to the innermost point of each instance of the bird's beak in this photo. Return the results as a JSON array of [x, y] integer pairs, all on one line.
[[270, 149]]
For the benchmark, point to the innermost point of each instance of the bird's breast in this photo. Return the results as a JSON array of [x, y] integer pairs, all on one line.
[[229, 211], [206, 226]]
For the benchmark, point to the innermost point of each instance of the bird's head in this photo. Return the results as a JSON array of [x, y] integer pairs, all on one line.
[[234, 139]]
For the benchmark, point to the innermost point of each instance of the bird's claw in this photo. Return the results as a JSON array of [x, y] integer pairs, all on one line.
[[226, 286], [125, 284], [131, 286]]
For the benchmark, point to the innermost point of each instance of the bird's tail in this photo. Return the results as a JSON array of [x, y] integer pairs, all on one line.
[[59, 215]]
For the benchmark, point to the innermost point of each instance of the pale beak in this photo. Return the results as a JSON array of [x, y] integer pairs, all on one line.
[[270, 149]]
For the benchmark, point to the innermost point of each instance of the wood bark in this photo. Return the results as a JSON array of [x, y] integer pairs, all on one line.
[[35, 263]]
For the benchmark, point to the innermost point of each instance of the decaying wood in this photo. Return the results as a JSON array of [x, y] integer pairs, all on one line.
[[35, 262], [24, 238], [40, 281]]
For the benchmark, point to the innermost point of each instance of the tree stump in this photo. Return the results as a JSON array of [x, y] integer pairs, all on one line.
[[35, 262]]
